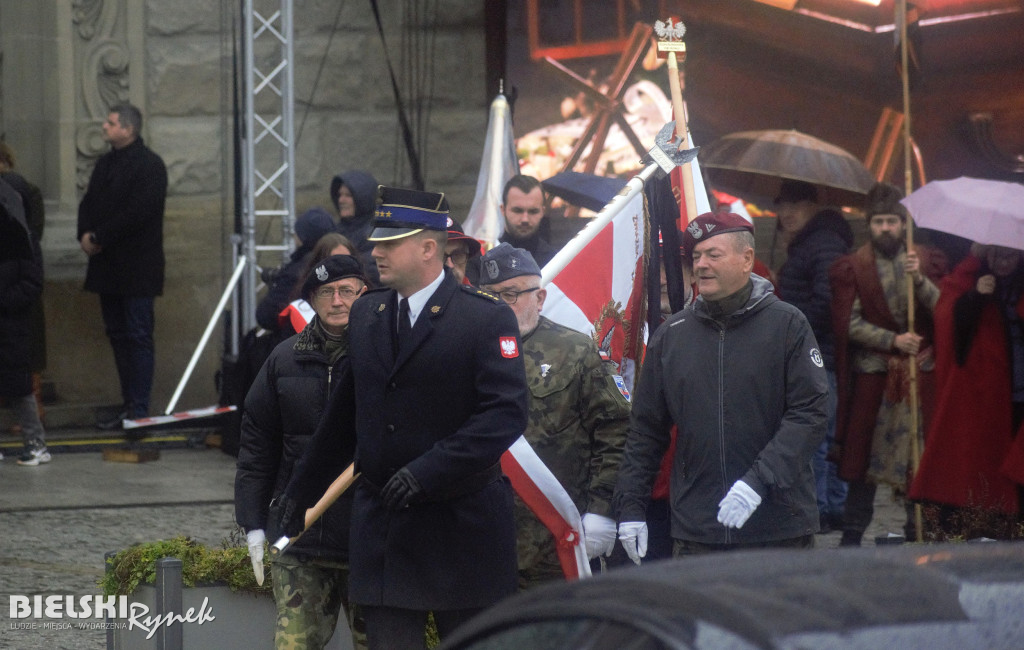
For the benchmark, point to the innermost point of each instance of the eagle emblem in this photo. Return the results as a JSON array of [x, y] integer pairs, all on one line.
[[321, 273]]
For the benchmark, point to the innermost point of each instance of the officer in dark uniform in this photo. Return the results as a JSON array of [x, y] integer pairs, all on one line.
[[438, 393]]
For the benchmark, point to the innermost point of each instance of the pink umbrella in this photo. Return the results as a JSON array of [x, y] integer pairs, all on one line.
[[984, 211]]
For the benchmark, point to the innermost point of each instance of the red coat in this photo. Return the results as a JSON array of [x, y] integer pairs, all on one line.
[[970, 448]]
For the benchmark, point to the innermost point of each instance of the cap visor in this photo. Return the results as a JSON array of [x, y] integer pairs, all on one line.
[[387, 234]]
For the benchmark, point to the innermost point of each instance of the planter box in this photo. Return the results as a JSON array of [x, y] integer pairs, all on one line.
[[240, 621]]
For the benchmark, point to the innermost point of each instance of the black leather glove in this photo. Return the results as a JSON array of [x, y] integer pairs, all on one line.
[[401, 490], [284, 518]]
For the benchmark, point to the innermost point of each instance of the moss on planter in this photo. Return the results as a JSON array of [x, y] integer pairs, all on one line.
[[201, 564]]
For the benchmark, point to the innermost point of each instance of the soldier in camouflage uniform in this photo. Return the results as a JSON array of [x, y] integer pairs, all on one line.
[[578, 418]]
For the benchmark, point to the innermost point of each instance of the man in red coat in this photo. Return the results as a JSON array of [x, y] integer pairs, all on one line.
[[873, 352], [975, 453]]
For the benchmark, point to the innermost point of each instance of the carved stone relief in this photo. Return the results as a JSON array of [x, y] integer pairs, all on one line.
[[102, 50]]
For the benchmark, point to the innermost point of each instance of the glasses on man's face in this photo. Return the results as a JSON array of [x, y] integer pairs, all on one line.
[[346, 293], [457, 257], [510, 296]]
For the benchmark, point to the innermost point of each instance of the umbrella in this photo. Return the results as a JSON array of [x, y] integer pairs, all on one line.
[[585, 190], [753, 164], [984, 211]]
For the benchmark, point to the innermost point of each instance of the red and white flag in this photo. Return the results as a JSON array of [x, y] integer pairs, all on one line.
[[601, 290], [548, 500]]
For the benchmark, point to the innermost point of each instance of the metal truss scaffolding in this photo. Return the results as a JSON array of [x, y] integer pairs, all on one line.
[[268, 146]]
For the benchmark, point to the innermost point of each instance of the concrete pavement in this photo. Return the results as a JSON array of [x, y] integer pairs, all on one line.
[[58, 520]]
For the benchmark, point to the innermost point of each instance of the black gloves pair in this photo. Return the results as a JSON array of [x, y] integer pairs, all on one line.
[[401, 490]]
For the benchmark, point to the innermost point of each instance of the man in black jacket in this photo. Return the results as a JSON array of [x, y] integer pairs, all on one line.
[[817, 238], [281, 413], [120, 228], [438, 393], [739, 373]]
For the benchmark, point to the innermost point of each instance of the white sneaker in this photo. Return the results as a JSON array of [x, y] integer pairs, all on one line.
[[34, 457]]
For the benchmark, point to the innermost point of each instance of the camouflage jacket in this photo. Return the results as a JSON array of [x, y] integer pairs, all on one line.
[[578, 418]]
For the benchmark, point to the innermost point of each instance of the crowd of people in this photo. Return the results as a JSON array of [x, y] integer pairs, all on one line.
[[769, 408]]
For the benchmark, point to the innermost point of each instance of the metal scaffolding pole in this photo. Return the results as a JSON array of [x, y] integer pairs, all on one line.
[[268, 147]]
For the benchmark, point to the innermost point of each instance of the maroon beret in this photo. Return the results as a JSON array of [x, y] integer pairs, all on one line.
[[710, 224]]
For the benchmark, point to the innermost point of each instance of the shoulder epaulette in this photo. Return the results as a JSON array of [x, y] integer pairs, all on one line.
[[477, 291]]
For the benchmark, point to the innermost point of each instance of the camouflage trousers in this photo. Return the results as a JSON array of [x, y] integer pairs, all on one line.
[[310, 594]]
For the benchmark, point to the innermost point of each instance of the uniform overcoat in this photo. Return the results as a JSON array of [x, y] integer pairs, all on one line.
[[447, 407]]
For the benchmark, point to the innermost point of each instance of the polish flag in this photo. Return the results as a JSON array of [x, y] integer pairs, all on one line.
[[601, 290]]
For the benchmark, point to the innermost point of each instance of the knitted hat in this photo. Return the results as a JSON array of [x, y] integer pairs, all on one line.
[[314, 224]]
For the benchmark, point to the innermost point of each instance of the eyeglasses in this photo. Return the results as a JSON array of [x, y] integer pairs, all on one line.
[[457, 257], [510, 297], [346, 293]]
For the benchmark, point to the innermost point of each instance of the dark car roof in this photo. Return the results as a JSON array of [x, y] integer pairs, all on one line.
[[773, 598]]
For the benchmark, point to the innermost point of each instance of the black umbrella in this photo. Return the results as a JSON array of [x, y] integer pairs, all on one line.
[[585, 190], [753, 164]]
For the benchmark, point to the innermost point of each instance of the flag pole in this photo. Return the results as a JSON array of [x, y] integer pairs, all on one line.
[[908, 186], [671, 46]]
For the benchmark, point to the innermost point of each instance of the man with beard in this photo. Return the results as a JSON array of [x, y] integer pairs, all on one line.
[[873, 353], [522, 205]]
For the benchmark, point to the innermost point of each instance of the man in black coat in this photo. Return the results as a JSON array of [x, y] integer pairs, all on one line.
[[120, 228], [435, 401]]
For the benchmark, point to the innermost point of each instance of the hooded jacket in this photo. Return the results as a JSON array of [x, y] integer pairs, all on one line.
[[803, 280], [364, 192], [748, 393]]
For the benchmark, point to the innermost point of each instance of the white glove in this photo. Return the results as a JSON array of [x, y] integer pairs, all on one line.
[[738, 505], [256, 539], [599, 531], [633, 535]]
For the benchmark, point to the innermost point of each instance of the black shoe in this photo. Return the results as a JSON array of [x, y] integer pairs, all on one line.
[[111, 422], [851, 538], [823, 525]]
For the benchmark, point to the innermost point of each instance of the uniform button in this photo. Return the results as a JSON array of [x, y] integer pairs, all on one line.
[[393, 385], [391, 428]]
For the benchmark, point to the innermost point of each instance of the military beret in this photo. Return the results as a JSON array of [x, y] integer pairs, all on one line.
[[710, 224], [504, 262], [402, 212], [335, 267]]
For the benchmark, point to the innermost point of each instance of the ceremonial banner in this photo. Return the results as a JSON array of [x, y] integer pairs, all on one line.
[[484, 221], [600, 291]]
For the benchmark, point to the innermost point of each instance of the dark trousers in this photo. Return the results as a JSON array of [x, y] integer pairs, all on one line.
[[393, 628], [129, 325], [682, 547], [860, 509]]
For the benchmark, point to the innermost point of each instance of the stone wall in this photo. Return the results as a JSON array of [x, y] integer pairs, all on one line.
[[177, 58]]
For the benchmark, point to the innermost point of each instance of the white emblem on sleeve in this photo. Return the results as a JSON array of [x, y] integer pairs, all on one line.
[[816, 358]]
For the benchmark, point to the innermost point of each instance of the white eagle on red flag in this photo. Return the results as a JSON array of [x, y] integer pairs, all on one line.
[[602, 290]]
